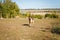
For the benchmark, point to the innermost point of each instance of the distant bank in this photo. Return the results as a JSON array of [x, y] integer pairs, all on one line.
[[41, 11]]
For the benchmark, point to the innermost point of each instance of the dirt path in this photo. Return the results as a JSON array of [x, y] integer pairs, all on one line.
[[14, 29]]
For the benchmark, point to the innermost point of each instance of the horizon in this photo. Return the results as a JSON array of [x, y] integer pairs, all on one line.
[[37, 4], [48, 8]]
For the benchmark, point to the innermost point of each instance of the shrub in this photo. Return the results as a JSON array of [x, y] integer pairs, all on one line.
[[47, 15], [55, 30], [23, 15], [38, 16], [54, 16], [51, 15]]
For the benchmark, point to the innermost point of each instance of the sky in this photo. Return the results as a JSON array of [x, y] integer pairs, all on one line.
[[37, 4]]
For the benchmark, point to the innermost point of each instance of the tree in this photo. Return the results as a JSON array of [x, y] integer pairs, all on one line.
[[9, 9]]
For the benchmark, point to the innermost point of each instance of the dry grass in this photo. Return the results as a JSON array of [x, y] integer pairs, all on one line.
[[13, 29]]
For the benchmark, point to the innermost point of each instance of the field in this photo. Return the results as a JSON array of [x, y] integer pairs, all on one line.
[[18, 29]]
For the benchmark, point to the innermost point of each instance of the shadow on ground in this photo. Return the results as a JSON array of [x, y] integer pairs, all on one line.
[[25, 24]]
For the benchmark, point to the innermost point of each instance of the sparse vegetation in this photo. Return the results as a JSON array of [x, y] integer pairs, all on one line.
[[41, 16], [14, 29], [18, 28]]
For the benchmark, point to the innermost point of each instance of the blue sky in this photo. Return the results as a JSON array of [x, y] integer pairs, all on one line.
[[26, 4]]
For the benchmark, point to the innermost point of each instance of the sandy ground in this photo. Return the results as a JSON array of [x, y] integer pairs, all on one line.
[[18, 29]]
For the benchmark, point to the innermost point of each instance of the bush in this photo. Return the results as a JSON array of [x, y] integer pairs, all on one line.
[[38, 16], [47, 15], [51, 15], [54, 16], [24, 14], [55, 30]]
